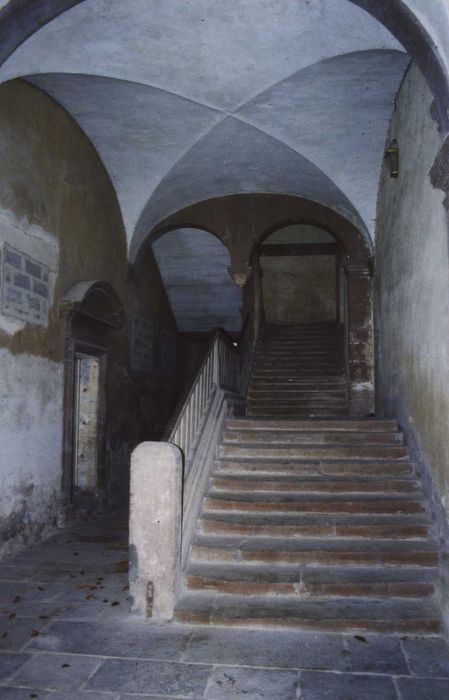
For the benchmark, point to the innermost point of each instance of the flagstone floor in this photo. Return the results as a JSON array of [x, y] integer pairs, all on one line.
[[66, 634]]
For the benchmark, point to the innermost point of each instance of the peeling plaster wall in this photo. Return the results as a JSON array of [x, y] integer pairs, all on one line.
[[299, 289], [412, 288], [57, 205]]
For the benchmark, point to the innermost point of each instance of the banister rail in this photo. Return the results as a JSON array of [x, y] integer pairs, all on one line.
[[219, 369], [169, 478]]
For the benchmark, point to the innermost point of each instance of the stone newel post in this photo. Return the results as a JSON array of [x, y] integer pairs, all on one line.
[[155, 528]]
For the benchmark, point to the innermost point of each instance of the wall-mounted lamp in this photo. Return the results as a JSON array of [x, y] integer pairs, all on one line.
[[392, 158]]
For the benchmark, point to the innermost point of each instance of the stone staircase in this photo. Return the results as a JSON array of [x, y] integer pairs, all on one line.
[[299, 371], [314, 524]]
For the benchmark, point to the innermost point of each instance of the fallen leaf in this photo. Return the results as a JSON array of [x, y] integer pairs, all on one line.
[[360, 638], [44, 617], [40, 588], [35, 633], [122, 566], [114, 603], [12, 616], [5, 634], [17, 599], [65, 665]]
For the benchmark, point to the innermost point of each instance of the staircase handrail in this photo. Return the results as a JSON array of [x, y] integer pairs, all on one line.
[[219, 369]]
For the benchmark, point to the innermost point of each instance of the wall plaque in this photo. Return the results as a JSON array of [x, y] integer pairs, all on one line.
[[142, 344], [25, 287], [168, 353]]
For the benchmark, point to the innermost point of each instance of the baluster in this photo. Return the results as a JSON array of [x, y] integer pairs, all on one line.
[[202, 379]]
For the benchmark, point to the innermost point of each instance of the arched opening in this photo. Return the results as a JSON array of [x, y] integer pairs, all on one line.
[[300, 267], [92, 311], [194, 267], [310, 276]]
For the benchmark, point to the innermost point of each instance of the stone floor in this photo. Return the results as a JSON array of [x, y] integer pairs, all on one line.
[[65, 633]]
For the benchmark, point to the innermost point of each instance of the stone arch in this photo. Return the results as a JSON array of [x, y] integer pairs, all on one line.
[[194, 265], [90, 311], [359, 336], [96, 300]]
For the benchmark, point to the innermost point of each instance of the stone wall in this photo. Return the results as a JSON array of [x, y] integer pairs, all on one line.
[[412, 288], [60, 223]]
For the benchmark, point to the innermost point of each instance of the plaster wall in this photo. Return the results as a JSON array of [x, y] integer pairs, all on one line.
[[299, 289], [412, 288], [57, 205]]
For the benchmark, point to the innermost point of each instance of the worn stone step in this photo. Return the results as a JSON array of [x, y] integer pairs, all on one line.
[[281, 529], [317, 517], [302, 413], [347, 424], [244, 486], [298, 437], [288, 390], [294, 367], [254, 579], [339, 557], [316, 468], [313, 451], [318, 505], [294, 372], [393, 617], [297, 413], [299, 401], [316, 547]]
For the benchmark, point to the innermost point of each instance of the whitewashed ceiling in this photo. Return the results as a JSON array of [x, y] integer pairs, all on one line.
[[186, 99], [190, 99]]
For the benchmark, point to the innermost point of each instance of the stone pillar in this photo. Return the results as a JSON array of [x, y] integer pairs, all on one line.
[[155, 528], [360, 341]]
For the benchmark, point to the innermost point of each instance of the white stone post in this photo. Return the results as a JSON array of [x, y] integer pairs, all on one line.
[[155, 528]]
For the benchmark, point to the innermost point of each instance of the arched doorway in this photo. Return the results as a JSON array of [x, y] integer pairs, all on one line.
[[92, 311], [300, 268]]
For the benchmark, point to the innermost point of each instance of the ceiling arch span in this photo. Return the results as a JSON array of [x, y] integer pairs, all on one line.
[[334, 113], [233, 158], [241, 221], [416, 27]]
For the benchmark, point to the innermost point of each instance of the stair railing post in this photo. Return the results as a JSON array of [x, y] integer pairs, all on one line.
[[155, 529]]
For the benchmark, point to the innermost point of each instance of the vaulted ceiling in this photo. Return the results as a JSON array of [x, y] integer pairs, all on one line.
[[190, 99]]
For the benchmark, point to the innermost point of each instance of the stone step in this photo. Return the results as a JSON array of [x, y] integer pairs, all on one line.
[[282, 529], [322, 554], [300, 371], [330, 521], [297, 365], [300, 437], [298, 400], [334, 505], [254, 579], [349, 469], [288, 390], [385, 616], [219, 486], [298, 413], [348, 424], [313, 451]]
